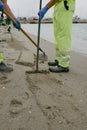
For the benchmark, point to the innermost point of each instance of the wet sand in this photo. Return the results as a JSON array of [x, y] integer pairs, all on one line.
[[40, 101]]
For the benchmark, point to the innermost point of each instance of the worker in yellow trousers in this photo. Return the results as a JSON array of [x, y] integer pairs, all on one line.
[[62, 21]]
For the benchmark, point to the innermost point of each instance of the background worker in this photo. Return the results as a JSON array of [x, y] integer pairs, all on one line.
[[5, 21], [62, 21], [4, 6], [8, 23]]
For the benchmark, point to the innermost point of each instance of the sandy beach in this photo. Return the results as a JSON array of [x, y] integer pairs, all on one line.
[[46, 101]]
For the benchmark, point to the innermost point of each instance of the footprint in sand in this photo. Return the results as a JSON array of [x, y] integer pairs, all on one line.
[[4, 79], [16, 107]]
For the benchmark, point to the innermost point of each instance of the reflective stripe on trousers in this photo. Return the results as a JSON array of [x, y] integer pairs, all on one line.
[[62, 32], [1, 58]]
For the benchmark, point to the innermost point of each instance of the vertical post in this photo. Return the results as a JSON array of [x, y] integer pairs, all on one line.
[[38, 37]]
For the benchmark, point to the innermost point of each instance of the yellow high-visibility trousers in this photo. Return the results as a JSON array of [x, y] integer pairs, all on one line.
[[1, 58], [62, 20]]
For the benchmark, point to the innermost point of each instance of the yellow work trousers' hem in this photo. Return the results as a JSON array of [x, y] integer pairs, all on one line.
[[1, 58]]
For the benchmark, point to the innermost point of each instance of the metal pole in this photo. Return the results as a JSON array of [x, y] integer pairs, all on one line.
[[38, 38]]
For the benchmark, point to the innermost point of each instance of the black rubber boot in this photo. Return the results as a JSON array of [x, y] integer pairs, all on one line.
[[9, 29], [55, 63], [5, 68], [59, 69]]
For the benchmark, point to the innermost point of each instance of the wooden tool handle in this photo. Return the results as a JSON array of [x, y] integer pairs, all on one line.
[[14, 22]]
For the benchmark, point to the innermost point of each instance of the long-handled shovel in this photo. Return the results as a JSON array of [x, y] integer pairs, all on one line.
[[44, 55]]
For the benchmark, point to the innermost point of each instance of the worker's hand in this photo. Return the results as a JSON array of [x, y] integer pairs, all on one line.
[[1, 6], [42, 12], [18, 26]]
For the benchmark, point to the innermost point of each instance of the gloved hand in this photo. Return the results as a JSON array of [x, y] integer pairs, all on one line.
[[18, 26], [1, 6], [42, 12]]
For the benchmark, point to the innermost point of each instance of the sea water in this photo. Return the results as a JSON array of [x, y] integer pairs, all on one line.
[[79, 35]]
